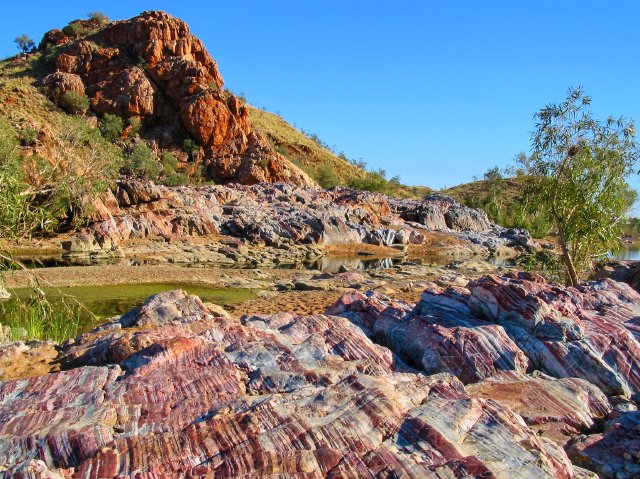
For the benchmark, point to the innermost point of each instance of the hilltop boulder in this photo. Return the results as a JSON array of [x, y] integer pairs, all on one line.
[[153, 69]]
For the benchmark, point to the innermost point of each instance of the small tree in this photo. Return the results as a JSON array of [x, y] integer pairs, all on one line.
[[578, 171], [74, 102], [24, 43], [111, 127], [99, 17]]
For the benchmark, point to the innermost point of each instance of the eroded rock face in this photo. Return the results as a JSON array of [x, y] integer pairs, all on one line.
[[152, 68], [281, 215], [282, 395]]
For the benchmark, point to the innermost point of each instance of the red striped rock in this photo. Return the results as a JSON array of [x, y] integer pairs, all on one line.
[[265, 396], [558, 408], [590, 332], [439, 335], [614, 454]]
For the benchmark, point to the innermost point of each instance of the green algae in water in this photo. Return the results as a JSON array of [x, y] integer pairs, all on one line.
[[102, 301]]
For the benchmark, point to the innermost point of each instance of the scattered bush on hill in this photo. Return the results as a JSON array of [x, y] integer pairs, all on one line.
[[100, 17], [111, 127], [74, 102], [142, 162], [327, 177]]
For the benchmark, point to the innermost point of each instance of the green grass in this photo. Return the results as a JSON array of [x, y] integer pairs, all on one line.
[[319, 162], [62, 313]]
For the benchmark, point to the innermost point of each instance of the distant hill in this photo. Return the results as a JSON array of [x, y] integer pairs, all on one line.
[[323, 165], [504, 200]]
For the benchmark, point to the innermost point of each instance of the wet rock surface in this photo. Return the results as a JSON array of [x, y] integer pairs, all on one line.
[[282, 223], [459, 384]]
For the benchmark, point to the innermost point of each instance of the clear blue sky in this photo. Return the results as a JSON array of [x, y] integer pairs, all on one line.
[[436, 92]]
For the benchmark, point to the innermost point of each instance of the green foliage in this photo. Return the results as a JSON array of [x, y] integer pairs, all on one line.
[[190, 146], [326, 177], [176, 179], [577, 178], [40, 319], [142, 162], [135, 125], [28, 136], [17, 217], [373, 181], [77, 29], [630, 227], [24, 43], [169, 163], [74, 102], [111, 127], [100, 17]]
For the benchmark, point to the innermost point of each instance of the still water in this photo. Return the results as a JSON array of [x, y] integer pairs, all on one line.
[[114, 300], [629, 252]]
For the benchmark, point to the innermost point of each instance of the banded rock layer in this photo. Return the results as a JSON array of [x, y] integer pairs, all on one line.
[[284, 215], [493, 380]]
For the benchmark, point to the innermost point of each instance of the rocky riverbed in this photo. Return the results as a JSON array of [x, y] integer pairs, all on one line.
[[280, 223], [499, 375]]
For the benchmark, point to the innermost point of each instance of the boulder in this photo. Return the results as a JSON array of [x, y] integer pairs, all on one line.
[[173, 87]]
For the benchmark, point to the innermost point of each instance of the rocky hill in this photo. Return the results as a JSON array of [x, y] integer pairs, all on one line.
[[152, 70], [143, 97]]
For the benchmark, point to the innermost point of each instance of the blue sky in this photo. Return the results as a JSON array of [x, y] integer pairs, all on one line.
[[436, 92]]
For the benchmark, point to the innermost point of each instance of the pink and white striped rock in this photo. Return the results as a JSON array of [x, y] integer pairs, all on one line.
[[591, 332], [264, 396]]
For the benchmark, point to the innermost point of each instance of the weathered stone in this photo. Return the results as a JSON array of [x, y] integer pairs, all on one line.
[[287, 395], [614, 454], [173, 87]]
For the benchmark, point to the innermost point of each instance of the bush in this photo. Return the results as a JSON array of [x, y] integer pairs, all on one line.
[[16, 216], [28, 136], [77, 30], [74, 102], [177, 179], [373, 181], [111, 127], [141, 162], [190, 146], [169, 163], [100, 17], [135, 125], [326, 177]]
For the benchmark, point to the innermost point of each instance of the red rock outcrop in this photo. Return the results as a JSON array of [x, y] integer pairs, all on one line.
[[264, 396], [152, 68]]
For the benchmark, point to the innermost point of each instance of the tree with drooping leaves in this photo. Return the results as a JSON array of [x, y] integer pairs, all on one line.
[[578, 175], [24, 43]]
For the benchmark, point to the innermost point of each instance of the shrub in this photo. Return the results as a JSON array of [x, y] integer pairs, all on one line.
[[176, 179], [169, 163], [190, 146], [77, 29], [141, 162], [373, 181], [74, 102], [16, 216], [28, 136], [100, 17], [326, 177], [135, 125], [111, 127]]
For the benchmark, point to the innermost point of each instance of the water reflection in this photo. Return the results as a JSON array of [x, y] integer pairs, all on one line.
[[629, 252], [329, 264]]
